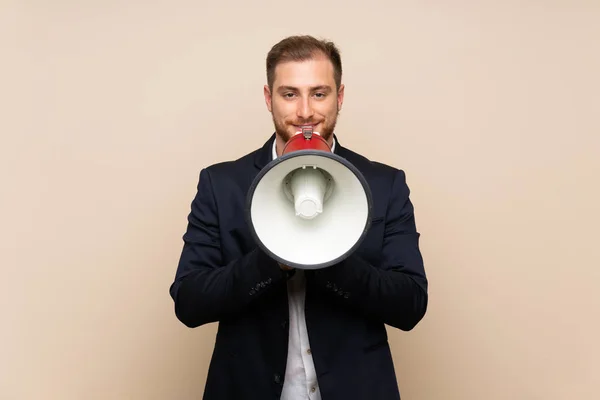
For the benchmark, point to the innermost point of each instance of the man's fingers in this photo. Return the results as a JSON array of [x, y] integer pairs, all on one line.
[[284, 267]]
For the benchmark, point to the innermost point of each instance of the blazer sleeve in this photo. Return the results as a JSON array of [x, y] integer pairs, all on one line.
[[205, 289], [395, 291]]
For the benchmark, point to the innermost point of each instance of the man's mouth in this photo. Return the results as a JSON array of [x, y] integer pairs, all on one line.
[[300, 127]]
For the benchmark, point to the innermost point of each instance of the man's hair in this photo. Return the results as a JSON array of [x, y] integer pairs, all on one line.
[[302, 48]]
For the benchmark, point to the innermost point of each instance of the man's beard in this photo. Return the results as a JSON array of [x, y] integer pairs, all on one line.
[[282, 128]]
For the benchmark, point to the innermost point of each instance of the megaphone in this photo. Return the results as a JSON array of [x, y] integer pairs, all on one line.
[[309, 208]]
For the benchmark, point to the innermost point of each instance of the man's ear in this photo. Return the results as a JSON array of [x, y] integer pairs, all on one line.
[[268, 98], [340, 96]]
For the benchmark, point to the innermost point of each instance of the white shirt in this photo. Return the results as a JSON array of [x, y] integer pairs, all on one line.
[[300, 375]]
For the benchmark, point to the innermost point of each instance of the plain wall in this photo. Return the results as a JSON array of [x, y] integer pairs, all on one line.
[[110, 109]]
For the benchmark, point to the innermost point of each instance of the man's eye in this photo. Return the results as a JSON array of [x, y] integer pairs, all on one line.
[[288, 95], [320, 95]]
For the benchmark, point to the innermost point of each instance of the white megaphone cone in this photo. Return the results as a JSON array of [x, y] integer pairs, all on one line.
[[309, 208]]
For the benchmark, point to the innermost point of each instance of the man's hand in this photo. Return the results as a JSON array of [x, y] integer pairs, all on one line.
[[284, 267]]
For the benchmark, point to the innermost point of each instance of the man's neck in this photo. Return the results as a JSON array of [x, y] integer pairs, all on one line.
[[279, 144]]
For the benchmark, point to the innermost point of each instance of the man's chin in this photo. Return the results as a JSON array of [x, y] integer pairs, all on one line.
[[285, 135]]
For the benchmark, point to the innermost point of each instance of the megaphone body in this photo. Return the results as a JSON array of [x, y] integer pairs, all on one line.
[[309, 208]]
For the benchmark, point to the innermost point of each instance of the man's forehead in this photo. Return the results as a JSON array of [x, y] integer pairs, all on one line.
[[316, 71]]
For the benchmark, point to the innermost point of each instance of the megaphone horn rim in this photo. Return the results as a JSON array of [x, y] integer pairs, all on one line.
[[299, 153]]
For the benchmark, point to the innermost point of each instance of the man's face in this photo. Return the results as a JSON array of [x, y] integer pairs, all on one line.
[[304, 93]]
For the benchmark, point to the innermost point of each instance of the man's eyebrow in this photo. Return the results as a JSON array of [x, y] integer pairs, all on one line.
[[314, 88], [322, 88], [286, 88]]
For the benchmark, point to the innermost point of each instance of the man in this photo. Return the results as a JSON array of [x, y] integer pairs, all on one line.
[[295, 334]]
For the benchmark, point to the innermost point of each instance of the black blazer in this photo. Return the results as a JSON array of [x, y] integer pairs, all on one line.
[[224, 276]]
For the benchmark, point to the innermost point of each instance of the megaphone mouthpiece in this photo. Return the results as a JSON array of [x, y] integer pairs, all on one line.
[[307, 132], [306, 139]]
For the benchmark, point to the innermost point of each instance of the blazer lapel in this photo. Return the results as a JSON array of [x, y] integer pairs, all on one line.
[[338, 146], [264, 155]]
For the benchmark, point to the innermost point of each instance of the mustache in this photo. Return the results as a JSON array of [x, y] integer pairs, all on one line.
[[304, 122]]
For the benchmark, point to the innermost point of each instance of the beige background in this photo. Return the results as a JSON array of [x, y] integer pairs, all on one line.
[[109, 110]]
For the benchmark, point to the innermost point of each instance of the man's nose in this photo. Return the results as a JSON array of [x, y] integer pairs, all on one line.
[[305, 109]]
